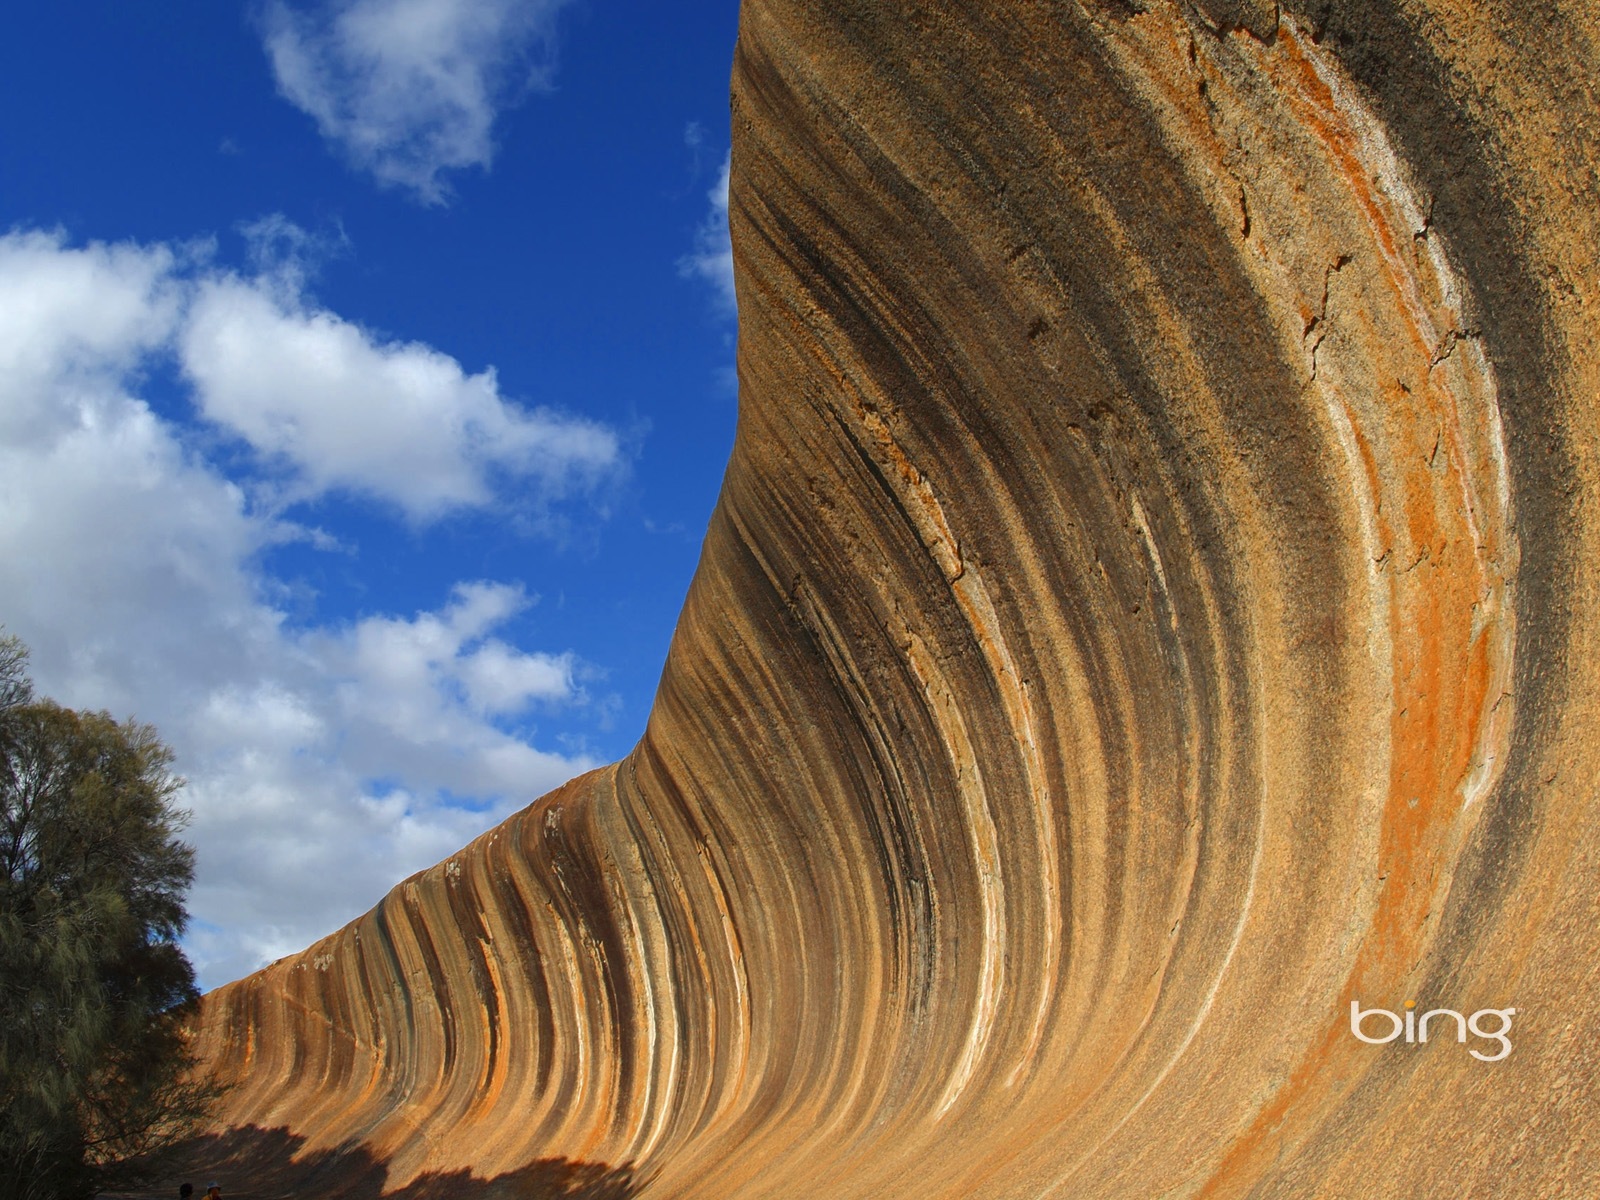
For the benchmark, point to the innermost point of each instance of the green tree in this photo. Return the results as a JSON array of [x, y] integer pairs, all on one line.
[[94, 990]]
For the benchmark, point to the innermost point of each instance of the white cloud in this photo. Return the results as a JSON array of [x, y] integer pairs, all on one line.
[[500, 679], [325, 763], [417, 682], [409, 89], [323, 783], [712, 257], [70, 325], [88, 473], [343, 409]]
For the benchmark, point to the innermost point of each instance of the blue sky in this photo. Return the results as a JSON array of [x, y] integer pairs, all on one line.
[[365, 388]]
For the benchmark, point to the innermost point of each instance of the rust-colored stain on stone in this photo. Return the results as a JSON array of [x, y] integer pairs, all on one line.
[[1151, 606]]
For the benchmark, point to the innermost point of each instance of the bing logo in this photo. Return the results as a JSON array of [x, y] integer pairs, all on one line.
[[1415, 1028]]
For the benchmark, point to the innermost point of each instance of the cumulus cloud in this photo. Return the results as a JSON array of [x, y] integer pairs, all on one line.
[[712, 257], [325, 775], [74, 324], [341, 409], [405, 685], [324, 761], [409, 89], [88, 473]]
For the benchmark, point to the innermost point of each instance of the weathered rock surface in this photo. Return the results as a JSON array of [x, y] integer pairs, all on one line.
[[1153, 602]]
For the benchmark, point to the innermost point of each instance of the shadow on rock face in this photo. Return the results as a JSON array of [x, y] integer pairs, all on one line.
[[252, 1163]]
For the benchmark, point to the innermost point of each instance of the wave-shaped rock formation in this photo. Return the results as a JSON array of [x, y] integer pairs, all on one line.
[[1152, 604]]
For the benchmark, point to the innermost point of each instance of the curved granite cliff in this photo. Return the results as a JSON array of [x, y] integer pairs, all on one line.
[[1152, 604]]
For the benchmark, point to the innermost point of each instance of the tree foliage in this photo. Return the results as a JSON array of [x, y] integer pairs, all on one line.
[[94, 1071]]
